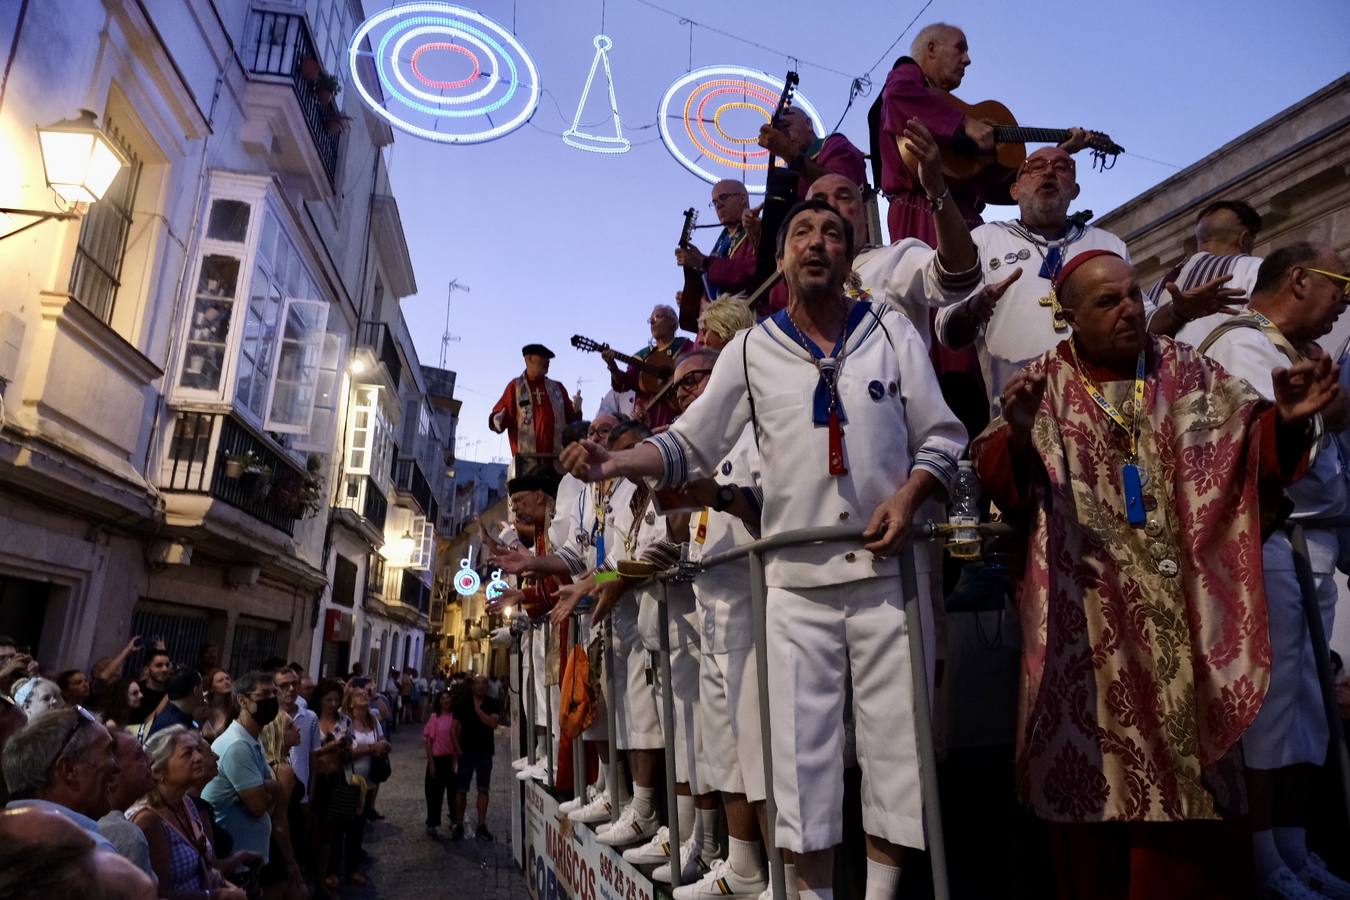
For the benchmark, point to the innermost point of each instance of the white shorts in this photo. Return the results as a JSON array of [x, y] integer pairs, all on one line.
[[728, 715], [684, 677], [815, 637], [1291, 726], [641, 701]]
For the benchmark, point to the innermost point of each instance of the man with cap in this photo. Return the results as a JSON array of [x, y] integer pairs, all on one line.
[[1143, 474], [533, 410]]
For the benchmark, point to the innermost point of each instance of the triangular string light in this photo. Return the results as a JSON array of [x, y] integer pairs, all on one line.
[[598, 143]]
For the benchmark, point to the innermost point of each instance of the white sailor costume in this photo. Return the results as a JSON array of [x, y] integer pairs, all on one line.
[[832, 607], [1291, 727]]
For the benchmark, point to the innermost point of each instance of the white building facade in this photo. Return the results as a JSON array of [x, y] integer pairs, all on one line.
[[215, 427]]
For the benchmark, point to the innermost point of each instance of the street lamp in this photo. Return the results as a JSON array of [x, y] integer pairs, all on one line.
[[79, 160], [79, 163]]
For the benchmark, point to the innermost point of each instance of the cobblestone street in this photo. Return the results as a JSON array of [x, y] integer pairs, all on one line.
[[407, 864]]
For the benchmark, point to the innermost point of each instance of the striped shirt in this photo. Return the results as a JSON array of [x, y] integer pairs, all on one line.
[[1195, 271]]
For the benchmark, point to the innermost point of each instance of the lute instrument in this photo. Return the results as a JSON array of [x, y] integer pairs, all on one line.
[[998, 169], [780, 191], [654, 372], [691, 295]]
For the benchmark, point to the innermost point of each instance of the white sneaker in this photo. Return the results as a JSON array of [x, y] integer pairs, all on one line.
[[722, 882], [577, 803], [629, 829], [1283, 884], [1317, 876], [539, 772], [692, 864], [654, 851], [606, 826], [521, 763], [594, 812]]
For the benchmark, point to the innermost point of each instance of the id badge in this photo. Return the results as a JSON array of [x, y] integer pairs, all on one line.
[[1134, 494]]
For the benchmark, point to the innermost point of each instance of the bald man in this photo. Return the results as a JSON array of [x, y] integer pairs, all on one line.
[[1145, 653], [1029, 252], [917, 86], [730, 267], [794, 140]]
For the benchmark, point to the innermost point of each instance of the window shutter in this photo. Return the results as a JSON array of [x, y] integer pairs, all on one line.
[[323, 422]]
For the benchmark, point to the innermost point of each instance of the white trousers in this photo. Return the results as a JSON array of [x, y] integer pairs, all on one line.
[[1291, 726], [815, 636], [728, 716], [684, 679]]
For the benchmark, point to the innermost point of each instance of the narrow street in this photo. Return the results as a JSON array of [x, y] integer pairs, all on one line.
[[405, 863]]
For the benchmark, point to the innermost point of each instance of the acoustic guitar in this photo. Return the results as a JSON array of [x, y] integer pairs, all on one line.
[[654, 372], [780, 190], [998, 169], [691, 295]]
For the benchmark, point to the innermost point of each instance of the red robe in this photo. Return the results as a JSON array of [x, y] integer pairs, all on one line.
[[1145, 649], [550, 408]]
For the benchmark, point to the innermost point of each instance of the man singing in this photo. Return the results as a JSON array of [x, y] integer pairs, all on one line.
[[533, 410], [851, 428], [1142, 472]]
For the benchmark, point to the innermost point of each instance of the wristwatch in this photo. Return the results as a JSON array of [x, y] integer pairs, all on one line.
[[940, 200], [726, 495]]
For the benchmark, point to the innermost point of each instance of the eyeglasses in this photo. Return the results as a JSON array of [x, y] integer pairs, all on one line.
[[84, 716], [1040, 167], [721, 199], [1343, 279], [690, 381]]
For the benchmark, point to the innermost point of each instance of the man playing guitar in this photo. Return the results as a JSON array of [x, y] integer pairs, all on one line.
[[917, 87], [730, 267], [652, 407]]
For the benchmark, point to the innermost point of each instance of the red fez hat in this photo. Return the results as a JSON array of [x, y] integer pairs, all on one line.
[[1077, 261]]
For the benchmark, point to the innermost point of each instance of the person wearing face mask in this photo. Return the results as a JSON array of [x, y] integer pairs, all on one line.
[[244, 791]]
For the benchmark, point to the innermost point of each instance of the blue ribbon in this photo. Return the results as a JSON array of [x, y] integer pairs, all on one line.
[[820, 411]]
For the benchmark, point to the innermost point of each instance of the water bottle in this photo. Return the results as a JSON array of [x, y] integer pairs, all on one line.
[[964, 541]]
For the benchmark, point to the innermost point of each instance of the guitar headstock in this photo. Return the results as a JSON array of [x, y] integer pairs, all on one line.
[[690, 218], [587, 345], [790, 82], [1102, 146]]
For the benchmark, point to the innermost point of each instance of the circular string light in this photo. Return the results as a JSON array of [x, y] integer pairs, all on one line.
[[700, 98], [408, 63]]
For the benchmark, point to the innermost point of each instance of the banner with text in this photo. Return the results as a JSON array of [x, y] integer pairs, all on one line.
[[563, 862]]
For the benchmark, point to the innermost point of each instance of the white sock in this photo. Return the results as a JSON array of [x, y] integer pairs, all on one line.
[[684, 805], [642, 801], [707, 821], [1265, 854], [1293, 846], [882, 880], [744, 857], [602, 777], [790, 876]]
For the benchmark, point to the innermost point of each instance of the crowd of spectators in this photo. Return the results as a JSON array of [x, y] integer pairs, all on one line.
[[149, 777]]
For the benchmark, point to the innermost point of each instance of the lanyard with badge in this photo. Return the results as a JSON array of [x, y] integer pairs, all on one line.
[[1131, 476]]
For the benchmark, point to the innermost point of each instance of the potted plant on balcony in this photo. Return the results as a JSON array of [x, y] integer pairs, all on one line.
[[335, 123], [326, 87], [237, 462], [310, 68]]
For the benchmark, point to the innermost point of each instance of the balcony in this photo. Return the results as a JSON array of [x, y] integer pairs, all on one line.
[[279, 51], [204, 458], [410, 482], [363, 497], [376, 337]]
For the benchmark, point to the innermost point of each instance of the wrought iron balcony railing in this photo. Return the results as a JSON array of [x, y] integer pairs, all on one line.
[[409, 480], [280, 44], [214, 453], [362, 496], [378, 337]]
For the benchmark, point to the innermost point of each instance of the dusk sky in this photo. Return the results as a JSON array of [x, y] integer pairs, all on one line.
[[555, 241]]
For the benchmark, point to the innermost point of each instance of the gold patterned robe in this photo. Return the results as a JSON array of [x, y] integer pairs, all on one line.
[[1145, 650]]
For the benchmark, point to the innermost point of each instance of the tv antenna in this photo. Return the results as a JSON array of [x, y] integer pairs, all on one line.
[[447, 338]]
